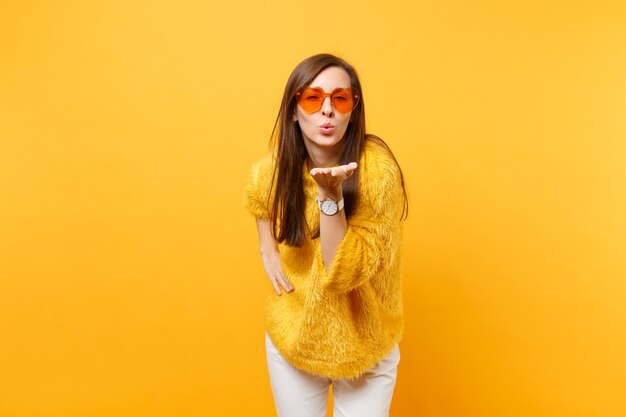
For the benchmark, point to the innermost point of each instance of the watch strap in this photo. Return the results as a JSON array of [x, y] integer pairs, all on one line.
[[340, 205]]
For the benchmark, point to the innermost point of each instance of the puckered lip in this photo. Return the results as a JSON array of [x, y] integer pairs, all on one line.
[[327, 125]]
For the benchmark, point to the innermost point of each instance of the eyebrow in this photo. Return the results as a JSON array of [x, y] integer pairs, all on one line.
[[336, 88]]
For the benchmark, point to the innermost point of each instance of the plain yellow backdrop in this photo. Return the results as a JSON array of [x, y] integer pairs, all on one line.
[[130, 281]]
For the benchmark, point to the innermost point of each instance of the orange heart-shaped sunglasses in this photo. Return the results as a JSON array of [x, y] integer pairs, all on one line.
[[311, 99]]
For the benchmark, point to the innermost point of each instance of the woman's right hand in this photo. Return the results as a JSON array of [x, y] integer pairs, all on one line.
[[274, 271], [270, 254]]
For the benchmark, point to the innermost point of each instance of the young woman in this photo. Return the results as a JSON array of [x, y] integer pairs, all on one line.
[[329, 200]]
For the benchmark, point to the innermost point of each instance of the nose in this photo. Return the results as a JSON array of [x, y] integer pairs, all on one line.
[[327, 107]]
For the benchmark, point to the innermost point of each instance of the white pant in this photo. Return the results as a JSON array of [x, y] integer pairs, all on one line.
[[300, 394]]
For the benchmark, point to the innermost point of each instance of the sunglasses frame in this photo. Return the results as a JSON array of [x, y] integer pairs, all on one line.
[[353, 92]]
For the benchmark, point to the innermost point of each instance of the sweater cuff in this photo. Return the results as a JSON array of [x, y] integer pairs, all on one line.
[[358, 257]]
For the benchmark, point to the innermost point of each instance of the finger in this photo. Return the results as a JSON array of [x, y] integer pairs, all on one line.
[[287, 286], [319, 171], [285, 282], [349, 169], [282, 284], [275, 285]]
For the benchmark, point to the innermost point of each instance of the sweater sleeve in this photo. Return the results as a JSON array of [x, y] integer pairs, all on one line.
[[372, 237], [257, 188]]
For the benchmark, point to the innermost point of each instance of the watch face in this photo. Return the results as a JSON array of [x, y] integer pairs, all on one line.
[[329, 206]]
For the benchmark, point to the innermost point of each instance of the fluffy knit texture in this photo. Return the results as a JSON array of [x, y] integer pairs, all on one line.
[[342, 322]]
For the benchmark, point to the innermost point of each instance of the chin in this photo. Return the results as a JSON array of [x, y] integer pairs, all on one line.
[[328, 141], [324, 141]]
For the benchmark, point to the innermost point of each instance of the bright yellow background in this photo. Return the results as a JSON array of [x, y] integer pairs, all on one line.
[[130, 281]]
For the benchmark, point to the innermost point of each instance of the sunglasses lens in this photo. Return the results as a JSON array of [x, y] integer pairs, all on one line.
[[311, 99], [343, 100]]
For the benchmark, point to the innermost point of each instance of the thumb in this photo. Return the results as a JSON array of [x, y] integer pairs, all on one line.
[[349, 169]]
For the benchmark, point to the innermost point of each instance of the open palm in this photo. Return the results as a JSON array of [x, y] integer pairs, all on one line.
[[331, 179]]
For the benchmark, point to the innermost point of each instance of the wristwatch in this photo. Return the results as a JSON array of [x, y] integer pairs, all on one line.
[[329, 206]]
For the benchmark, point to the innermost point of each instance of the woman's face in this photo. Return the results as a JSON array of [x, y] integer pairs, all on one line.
[[316, 136]]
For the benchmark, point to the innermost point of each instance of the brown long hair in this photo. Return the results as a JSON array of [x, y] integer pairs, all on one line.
[[288, 206]]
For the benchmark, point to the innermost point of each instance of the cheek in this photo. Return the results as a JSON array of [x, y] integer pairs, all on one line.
[[305, 121], [344, 123]]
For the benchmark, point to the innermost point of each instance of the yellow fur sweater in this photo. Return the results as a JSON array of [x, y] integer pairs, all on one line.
[[342, 322]]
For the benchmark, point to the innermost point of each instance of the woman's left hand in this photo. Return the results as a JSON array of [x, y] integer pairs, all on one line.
[[330, 180]]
